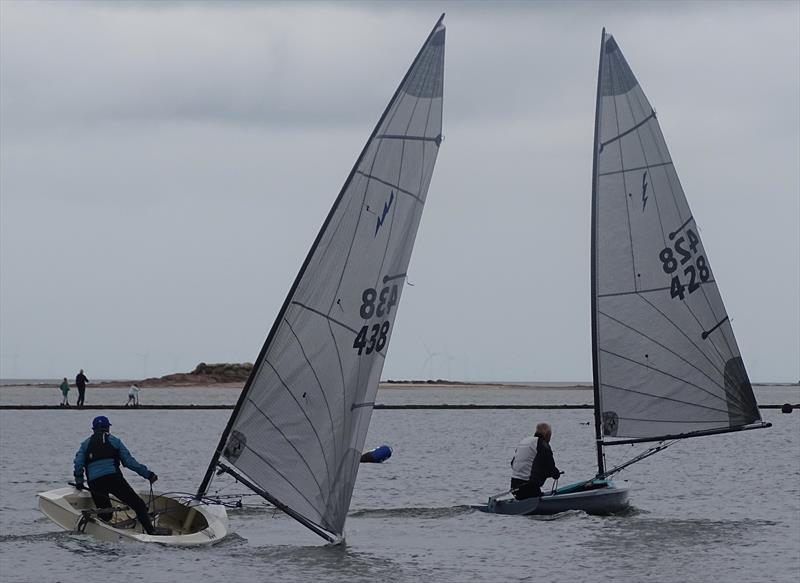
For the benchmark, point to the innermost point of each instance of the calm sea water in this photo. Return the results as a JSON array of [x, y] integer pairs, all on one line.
[[720, 508]]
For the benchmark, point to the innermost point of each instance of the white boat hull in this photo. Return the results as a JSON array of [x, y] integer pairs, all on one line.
[[192, 524], [595, 497]]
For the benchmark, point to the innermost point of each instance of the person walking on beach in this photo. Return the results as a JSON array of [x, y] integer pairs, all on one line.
[[64, 392], [533, 463], [80, 382], [100, 456], [133, 396]]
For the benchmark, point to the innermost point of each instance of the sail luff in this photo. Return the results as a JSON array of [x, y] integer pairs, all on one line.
[[595, 359], [300, 284]]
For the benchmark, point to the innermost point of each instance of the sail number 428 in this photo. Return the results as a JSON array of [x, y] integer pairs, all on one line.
[[697, 269], [373, 337]]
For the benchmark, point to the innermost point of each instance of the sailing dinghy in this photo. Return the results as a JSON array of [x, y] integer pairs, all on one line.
[[297, 432], [666, 365], [183, 520]]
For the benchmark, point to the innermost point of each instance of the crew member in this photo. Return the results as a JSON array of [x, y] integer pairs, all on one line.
[[100, 456], [533, 463], [80, 382]]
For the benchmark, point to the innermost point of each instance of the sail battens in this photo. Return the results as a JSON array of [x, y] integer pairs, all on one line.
[[645, 291], [636, 169], [391, 185], [679, 229], [436, 140], [657, 315], [326, 316], [628, 131], [308, 402]]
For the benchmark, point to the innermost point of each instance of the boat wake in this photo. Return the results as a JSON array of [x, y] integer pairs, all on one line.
[[412, 512]]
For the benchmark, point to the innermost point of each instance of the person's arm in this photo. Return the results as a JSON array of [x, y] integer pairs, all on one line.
[[129, 461], [80, 462]]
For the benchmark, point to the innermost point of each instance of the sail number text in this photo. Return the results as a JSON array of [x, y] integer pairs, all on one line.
[[375, 304], [696, 270]]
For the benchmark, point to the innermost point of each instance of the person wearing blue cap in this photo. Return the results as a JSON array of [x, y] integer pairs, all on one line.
[[100, 456]]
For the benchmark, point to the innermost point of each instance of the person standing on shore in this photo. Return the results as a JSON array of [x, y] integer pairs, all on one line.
[[64, 392], [133, 396], [80, 382]]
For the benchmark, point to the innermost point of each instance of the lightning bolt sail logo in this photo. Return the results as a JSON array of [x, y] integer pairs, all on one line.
[[386, 206], [644, 190]]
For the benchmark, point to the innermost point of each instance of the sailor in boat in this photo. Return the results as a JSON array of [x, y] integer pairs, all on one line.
[[533, 463], [100, 456]]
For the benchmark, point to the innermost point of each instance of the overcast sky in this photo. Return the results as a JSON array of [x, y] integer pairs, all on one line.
[[166, 167]]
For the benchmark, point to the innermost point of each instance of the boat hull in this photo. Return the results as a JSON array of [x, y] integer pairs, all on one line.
[[194, 524], [595, 497]]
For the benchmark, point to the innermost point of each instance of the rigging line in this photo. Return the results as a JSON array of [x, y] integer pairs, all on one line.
[[624, 184], [652, 182], [326, 316], [437, 140], [685, 335], [297, 451], [679, 229], [389, 184], [321, 389], [644, 455], [662, 398], [313, 428], [277, 471], [626, 132], [646, 167], [707, 333], [665, 373], [644, 291], [697, 368]]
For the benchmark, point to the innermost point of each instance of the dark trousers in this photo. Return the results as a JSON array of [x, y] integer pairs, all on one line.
[[115, 484], [525, 489], [81, 395]]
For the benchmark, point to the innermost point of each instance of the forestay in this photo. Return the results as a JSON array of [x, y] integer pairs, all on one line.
[[299, 429], [666, 357]]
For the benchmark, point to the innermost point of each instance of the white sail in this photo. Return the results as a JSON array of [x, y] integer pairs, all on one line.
[[666, 360], [299, 429]]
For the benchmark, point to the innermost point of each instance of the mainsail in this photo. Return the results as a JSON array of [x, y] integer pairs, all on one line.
[[298, 430], [665, 357]]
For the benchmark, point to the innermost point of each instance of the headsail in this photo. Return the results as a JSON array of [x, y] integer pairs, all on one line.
[[666, 360], [299, 428]]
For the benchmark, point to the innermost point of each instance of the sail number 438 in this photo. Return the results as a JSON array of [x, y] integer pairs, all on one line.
[[697, 268], [373, 337]]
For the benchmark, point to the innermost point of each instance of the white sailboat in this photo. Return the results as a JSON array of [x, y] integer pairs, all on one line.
[[297, 432], [665, 361]]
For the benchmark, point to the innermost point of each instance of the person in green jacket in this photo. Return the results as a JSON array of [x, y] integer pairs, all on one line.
[[64, 392]]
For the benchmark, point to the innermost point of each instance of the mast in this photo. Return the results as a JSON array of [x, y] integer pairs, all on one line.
[[595, 360], [215, 461]]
